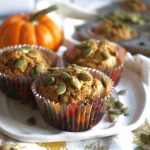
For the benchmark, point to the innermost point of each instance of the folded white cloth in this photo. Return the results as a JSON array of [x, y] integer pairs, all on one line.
[[141, 65]]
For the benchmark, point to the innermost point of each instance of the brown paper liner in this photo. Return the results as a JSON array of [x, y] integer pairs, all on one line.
[[73, 117], [114, 73], [20, 87]]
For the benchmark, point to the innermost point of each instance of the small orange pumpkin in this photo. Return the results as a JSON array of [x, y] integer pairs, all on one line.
[[35, 29]]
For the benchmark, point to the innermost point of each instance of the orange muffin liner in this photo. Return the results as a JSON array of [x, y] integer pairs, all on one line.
[[73, 117], [20, 87]]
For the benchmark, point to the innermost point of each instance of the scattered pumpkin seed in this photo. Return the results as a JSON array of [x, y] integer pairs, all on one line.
[[118, 105], [32, 54], [39, 68], [113, 118], [144, 138], [20, 63], [85, 76], [103, 82], [109, 106], [48, 80], [105, 54], [75, 82], [122, 92], [87, 52], [61, 88], [31, 121], [114, 112], [125, 110], [65, 76]]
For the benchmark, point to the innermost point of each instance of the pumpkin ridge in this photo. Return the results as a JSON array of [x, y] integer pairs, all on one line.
[[27, 34], [11, 35], [44, 37]]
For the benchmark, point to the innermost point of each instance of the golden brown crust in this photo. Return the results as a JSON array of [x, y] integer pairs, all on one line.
[[89, 90], [18, 62], [134, 5], [114, 31], [103, 56]]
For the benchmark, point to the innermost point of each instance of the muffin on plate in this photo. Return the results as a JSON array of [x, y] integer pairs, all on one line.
[[135, 5], [73, 98], [20, 65], [114, 31], [103, 55]]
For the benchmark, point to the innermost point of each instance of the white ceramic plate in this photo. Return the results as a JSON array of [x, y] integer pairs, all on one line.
[[13, 116]]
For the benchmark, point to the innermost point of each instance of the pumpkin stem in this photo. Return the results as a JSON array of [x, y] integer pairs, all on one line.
[[40, 13]]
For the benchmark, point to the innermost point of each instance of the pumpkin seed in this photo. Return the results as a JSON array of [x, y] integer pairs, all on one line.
[[25, 49], [103, 82], [125, 110], [118, 105], [109, 106], [65, 76], [122, 92], [32, 54], [20, 63], [113, 118], [48, 80], [105, 54], [87, 52], [76, 67], [114, 112], [61, 88], [31, 121], [39, 68], [75, 82], [85, 76], [144, 138]]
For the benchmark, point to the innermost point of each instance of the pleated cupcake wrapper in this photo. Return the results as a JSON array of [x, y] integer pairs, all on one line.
[[72, 117], [114, 73], [20, 87]]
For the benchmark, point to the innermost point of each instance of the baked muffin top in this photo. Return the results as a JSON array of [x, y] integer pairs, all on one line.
[[114, 31], [101, 55], [135, 5], [72, 85], [24, 61]]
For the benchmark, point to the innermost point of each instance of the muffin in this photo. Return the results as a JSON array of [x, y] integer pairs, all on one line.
[[73, 98], [20, 65], [135, 5], [114, 31], [103, 55]]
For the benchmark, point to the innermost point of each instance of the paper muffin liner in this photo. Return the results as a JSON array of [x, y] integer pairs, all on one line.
[[20, 87], [73, 117], [114, 73]]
